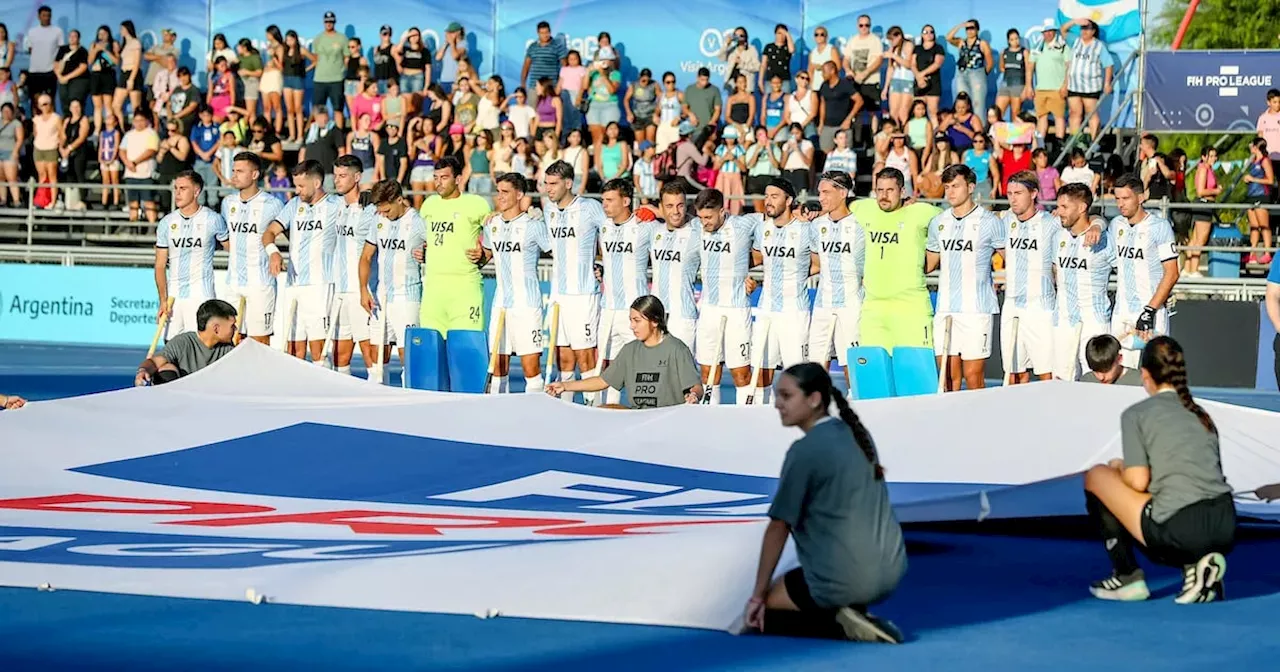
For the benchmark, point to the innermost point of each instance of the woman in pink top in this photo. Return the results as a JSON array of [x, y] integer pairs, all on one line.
[[1047, 175], [47, 138], [1207, 191], [368, 102], [572, 76], [222, 89]]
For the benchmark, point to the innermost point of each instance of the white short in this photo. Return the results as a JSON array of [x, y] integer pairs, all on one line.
[[735, 348], [970, 335], [1122, 324], [685, 329], [311, 315], [394, 317], [1034, 349], [183, 317], [353, 319], [521, 331], [259, 309], [579, 320], [787, 343], [1068, 354], [832, 332], [615, 332]]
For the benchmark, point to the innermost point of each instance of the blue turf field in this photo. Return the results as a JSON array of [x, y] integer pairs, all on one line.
[[976, 598]]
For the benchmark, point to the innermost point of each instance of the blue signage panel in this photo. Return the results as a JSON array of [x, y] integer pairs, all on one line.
[[1208, 91]]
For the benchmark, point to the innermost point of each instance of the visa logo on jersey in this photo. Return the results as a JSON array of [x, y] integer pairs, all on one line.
[[779, 252], [393, 244], [837, 247], [618, 247], [667, 255], [1073, 263], [884, 237], [507, 246], [1029, 244], [187, 242], [563, 232], [308, 225], [957, 245], [717, 246], [1125, 252], [243, 227]]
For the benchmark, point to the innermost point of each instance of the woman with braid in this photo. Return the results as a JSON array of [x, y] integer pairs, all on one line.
[[832, 499], [1168, 493]]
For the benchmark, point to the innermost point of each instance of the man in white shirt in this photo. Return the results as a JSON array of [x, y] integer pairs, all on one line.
[[42, 42], [138, 153], [164, 83], [863, 54]]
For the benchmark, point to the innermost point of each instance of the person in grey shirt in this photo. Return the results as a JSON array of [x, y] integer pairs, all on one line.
[[655, 370], [1102, 354], [832, 500], [191, 351], [1168, 493]]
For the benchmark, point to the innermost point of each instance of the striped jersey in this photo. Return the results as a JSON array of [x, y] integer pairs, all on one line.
[[354, 221], [841, 248], [1028, 260], [1141, 250], [399, 275], [966, 245], [676, 257], [191, 242], [573, 232], [516, 246], [624, 250], [1083, 274], [1088, 63], [786, 251], [312, 229], [248, 265], [726, 260]]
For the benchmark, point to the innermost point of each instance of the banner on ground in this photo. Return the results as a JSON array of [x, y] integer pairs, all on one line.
[[1208, 91], [313, 488]]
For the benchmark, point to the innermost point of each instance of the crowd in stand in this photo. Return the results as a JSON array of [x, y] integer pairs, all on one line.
[[849, 103]]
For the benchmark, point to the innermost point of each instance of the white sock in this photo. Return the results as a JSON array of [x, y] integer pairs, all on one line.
[[762, 395], [376, 375], [740, 398], [715, 393], [345, 370], [567, 397], [322, 362], [533, 385], [501, 385]]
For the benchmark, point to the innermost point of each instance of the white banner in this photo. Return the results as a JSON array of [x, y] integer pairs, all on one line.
[[308, 487]]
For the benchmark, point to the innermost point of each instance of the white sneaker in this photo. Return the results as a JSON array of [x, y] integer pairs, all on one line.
[[1130, 588], [1202, 582], [863, 627]]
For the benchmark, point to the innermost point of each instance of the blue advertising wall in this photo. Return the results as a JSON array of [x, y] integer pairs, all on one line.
[[676, 35], [1206, 91], [77, 304]]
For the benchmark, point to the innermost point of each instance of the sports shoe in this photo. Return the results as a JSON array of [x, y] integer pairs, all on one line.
[[1128, 588], [1202, 582], [860, 626]]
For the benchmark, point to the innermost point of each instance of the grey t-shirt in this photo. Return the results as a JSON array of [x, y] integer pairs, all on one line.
[[847, 538], [189, 354], [655, 376], [703, 103], [1160, 433]]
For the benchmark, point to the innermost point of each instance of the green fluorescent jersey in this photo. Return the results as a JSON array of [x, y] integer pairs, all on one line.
[[453, 227], [894, 266]]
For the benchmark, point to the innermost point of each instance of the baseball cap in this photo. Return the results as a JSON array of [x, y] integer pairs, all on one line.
[[783, 185], [457, 129], [168, 31], [1049, 26], [330, 16], [730, 133], [453, 27], [685, 128], [645, 144], [606, 54], [385, 29]]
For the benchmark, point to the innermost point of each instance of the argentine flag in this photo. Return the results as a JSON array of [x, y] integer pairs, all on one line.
[[1118, 19]]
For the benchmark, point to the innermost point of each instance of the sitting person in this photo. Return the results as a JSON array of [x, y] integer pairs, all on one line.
[[656, 369], [10, 402], [191, 351], [1102, 353], [1168, 493], [833, 501]]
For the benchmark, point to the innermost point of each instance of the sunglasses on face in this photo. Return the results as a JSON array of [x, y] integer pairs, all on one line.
[[819, 34], [864, 25]]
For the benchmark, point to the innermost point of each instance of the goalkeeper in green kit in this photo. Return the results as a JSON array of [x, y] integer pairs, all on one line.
[[896, 310], [452, 293]]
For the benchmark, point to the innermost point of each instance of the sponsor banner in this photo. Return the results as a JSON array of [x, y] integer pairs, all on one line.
[[1208, 91], [77, 304]]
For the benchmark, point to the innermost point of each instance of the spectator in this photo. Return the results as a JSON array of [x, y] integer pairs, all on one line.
[[1207, 190], [8, 49], [773, 107], [918, 127], [1260, 181], [1012, 159], [384, 64], [1079, 172], [776, 59], [1088, 75], [184, 102], [109, 160], [863, 54], [453, 50], [131, 79], [466, 104], [1047, 175], [222, 89], [426, 148], [1273, 312], [271, 87], [802, 106], [250, 72], [1013, 68], [612, 156], [730, 164], [962, 125], [221, 48], [1269, 129], [71, 66], [841, 159], [823, 52], [764, 160], [173, 157], [702, 101], [41, 42], [973, 63], [323, 144], [1154, 169], [295, 58], [838, 107], [355, 72], [330, 48], [265, 144], [641, 104], [646, 183], [929, 58], [543, 57], [549, 109], [157, 56], [165, 82], [741, 108], [575, 154], [205, 138], [47, 129], [901, 158], [477, 177], [901, 78], [742, 59], [601, 98], [364, 144], [393, 159], [102, 75], [797, 155], [12, 137], [74, 151], [368, 103], [1048, 69], [671, 110], [138, 152]]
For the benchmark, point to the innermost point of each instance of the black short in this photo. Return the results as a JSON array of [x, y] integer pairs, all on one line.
[[1192, 532], [798, 590], [932, 87], [102, 82], [870, 95], [328, 92], [139, 80], [41, 82], [1076, 94]]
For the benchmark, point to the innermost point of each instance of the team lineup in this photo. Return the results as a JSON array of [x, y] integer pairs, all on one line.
[[363, 268]]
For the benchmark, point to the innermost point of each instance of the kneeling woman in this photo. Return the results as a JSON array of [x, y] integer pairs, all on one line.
[[832, 498], [1168, 493], [656, 369]]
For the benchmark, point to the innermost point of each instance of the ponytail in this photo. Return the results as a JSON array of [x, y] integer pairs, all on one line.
[[860, 434], [1164, 361]]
